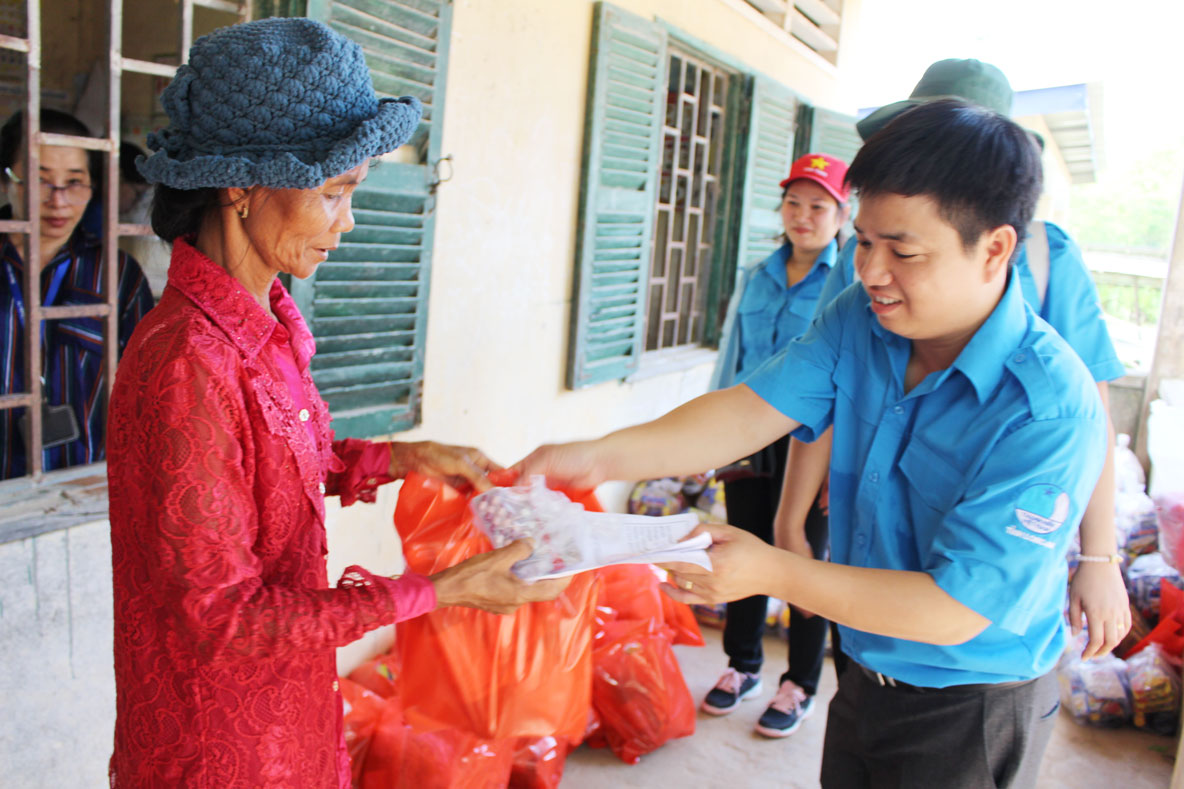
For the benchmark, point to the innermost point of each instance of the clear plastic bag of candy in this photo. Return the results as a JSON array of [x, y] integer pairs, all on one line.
[[568, 539]]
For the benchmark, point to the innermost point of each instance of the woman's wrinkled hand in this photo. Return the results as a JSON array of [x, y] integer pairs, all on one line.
[[742, 565], [486, 582], [1097, 591], [460, 467]]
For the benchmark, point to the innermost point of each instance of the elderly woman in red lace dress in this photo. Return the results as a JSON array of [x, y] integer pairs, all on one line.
[[220, 450]]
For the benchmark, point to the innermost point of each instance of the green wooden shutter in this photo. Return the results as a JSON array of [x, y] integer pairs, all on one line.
[[367, 305], [623, 125], [831, 133], [772, 116]]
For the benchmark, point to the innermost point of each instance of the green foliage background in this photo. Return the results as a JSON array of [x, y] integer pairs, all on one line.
[[1133, 205]]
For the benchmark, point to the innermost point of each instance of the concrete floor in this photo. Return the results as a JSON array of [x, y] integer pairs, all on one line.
[[725, 752]]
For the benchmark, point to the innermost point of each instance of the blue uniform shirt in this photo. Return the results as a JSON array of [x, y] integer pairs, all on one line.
[[1070, 305], [764, 314], [977, 477]]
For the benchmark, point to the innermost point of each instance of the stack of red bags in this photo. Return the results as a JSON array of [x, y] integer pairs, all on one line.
[[470, 699]]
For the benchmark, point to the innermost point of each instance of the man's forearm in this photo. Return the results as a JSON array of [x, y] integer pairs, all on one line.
[[709, 431], [885, 602]]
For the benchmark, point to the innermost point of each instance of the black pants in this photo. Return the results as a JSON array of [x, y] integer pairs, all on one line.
[[752, 505], [880, 737]]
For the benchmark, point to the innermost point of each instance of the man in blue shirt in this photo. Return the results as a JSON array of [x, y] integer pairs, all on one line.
[[968, 437], [1069, 302]]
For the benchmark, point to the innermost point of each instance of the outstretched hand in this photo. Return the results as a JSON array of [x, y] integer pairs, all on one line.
[[742, 565], [487, 582], [575, 465], [1098, 593], [460, 467]]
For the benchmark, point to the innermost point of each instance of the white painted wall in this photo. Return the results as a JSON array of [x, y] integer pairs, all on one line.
[[506, 235]]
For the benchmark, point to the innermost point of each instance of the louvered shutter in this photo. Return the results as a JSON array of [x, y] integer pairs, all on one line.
[[772, 117], [367, 305], [833, 133], [626, 103]]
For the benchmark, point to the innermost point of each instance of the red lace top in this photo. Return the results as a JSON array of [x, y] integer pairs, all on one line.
[[224, 620]]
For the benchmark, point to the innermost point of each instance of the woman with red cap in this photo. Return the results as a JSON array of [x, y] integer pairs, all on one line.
[[772, 305]]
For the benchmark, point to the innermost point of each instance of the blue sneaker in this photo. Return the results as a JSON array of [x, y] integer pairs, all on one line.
[[786, 712], [733, 687]]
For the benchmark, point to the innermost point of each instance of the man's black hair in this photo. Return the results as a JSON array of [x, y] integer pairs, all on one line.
[[980, 168]]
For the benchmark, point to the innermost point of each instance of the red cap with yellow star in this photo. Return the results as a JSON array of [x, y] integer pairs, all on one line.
[[826, 171]]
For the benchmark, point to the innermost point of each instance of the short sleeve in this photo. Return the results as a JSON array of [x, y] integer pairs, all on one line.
[[1071, 306], [842, 274], [799, 381], [1000, 551]]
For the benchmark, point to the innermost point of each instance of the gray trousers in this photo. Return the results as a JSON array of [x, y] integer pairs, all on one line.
[[883, 737]]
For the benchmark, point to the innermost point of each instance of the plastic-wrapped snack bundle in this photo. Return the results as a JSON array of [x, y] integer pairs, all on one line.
[[569, 540], [1142, 582], [658, 497], [1155, 690], [1095, 691], [711, 615], [1169, 513], [532, 511], [711, 501]]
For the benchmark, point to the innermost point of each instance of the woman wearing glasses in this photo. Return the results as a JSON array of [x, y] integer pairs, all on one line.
[[72, 272]]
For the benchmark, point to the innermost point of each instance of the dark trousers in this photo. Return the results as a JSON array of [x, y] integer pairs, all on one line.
[[881, 737], [752, 505]]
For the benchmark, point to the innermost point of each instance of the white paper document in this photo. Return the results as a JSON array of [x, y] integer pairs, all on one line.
[[568, 539]]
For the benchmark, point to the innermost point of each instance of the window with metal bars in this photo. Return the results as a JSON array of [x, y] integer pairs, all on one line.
[[96, 33], [688, 196]]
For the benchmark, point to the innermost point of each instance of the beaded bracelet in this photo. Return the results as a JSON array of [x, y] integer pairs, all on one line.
[[1113, 558]]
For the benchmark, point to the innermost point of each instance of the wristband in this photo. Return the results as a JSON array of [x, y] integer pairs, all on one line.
[[1113, 558]]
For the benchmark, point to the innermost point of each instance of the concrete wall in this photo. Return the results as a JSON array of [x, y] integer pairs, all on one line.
[[57, 687], [506, 228]]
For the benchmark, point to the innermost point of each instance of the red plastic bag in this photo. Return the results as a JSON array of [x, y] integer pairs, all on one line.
[[494, 677], [638, 691], [362, 709], [1169, 633], [633, 592], [538, 763], [401, 757], [378, 675]]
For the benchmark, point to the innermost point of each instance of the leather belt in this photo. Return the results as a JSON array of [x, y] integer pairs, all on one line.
[[883, 680]]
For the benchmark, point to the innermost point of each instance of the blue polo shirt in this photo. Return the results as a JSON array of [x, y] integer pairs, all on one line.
[[770, 313], [1071, 304], [978, 476]]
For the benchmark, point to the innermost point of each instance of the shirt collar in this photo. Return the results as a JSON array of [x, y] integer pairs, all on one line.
[[228, 304], [775, 266], [982, 360]]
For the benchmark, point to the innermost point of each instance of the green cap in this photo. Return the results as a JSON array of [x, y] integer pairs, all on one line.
[[970, 80]]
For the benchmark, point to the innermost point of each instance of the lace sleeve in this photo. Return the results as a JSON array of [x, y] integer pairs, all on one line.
[[366, 467], [200, 472]]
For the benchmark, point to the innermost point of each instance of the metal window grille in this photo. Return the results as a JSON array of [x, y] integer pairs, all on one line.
[[34, 138], [688, 196]]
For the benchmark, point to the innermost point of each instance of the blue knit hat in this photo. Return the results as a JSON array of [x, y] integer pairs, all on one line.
[[283, 102]]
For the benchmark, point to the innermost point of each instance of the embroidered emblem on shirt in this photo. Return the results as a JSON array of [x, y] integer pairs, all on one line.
[[1042, 508]]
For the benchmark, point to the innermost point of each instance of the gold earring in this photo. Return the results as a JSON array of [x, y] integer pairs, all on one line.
[[243, 214]]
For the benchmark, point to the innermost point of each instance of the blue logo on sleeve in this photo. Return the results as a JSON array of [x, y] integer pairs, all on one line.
[[1042, 508]]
